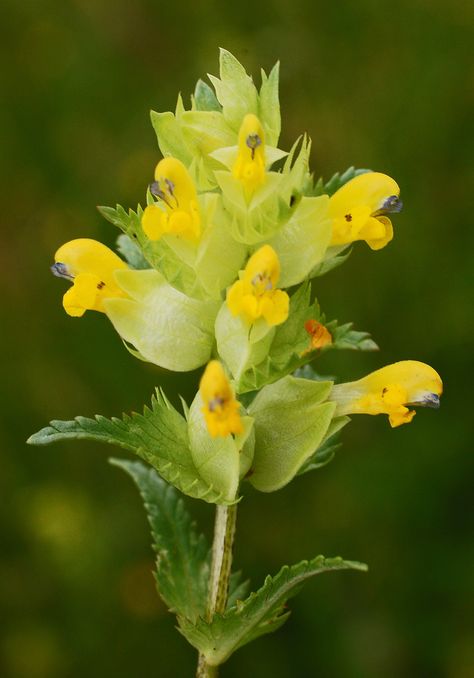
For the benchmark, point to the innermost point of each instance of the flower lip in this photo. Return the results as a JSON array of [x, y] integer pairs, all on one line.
[[61, 270]]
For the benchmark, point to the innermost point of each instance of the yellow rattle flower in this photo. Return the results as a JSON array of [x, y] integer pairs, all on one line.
[[249, 167], [90, 266], [178, 208], [221, 409], [359, 210], [390, 390], [255, 295]]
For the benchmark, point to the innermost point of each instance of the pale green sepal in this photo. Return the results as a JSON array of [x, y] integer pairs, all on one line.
[[204, 98], [296, 172], [170, 136], [159, 436], [291, 419], [182, 554], [245, 442], [327, 450], [219, 257], [235, 90], [302, 242], [262, 612], [269, 105], [216, 459], [235, 343], [168, 328]]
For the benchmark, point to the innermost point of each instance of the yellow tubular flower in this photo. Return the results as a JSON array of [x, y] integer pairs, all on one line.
[[390, 390], [221, 409], [255, 295], [359, 210], [178, 211], [249, 168], [90, 266]]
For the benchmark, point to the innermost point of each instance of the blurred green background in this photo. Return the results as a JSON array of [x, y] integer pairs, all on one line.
[[376, 84]]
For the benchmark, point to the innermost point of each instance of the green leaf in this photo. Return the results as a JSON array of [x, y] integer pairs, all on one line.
[[291, 420], [131, 252], [183, 556], [337, 181], [335, 256], [159, 436], [205, 98], [261, 613], [344, 337]]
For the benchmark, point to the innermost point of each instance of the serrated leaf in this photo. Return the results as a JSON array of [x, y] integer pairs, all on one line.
[[159, 436], [235, 90], [183, 556], [261, 613], [337, 181], [269, 105]]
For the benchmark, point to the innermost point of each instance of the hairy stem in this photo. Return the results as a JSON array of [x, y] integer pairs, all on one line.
[[224, 531]]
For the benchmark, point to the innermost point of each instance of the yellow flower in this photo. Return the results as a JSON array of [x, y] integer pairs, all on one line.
[[221, 409], [319, 335], [178, 211], [249, 167], [359, 210], [390, 390], [90, 266], [255, 295]]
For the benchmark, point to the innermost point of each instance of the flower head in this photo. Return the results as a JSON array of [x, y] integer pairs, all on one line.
[[255, 295], [90, 266], [390, 390], [221, 409], [178, 211], [249, 167], [359, 210]]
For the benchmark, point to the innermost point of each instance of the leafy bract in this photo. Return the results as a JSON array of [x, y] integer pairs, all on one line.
[[336, 181], [159, 436], [182, 562], [261, 613]]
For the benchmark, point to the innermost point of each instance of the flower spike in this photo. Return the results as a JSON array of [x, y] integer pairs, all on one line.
[[255, 295], [221, 409], [359, 210], [178, 211], [249, 168], [390, 390], [91, 266]]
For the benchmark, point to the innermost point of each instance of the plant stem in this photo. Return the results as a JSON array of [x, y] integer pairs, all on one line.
[[224, 531]]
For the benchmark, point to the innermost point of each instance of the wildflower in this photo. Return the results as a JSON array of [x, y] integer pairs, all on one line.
[[178, 209], [359, 210], [90, 266], [390, 390], [319, 335], [255, 295], [221, 409], [249, 167]]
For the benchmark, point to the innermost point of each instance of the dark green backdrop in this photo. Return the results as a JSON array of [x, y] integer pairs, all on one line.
[[376, 84]]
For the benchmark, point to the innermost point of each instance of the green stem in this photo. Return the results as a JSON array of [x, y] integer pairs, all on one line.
[[224, 531]]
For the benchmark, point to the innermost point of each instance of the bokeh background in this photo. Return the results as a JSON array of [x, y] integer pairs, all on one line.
[[382, 85]]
